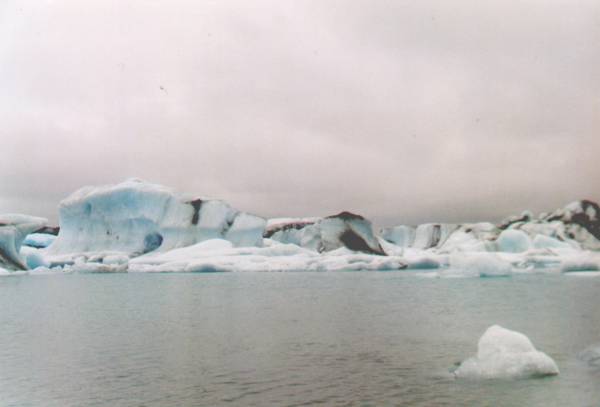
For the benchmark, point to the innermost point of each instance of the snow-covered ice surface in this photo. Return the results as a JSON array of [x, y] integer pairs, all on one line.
[[139, 226], [506, 354], [220, 255]]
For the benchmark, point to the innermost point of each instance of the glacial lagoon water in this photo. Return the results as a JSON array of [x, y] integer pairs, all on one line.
[[286, 339]]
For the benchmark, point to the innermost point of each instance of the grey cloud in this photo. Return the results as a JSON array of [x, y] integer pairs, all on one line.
[[406, 111]]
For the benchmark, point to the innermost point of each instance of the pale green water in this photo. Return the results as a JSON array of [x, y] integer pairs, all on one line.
[[285, 339]]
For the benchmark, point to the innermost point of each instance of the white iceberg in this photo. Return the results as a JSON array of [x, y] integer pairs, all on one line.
[[506, 354]]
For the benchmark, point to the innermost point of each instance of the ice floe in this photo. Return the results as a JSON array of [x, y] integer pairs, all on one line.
[[506, 354]]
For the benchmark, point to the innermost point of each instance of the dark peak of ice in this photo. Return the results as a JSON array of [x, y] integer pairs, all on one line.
[[346, 216], [585, 213], [588, 217]]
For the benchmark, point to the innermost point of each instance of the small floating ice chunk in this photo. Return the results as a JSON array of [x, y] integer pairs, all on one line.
[[506, 354]]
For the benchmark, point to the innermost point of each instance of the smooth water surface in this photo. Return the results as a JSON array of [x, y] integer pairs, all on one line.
[[371, 338]]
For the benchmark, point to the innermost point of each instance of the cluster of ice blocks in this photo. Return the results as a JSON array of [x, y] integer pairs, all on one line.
[[137, 226]]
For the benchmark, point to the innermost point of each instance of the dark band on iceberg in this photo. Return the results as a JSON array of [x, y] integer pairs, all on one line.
[[196, 204]]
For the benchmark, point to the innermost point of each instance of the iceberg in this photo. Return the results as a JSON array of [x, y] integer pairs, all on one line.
[[13, 230], [137, 226], [580, 221], [575, 227], [345, 229], [136, 217], [506, 354]]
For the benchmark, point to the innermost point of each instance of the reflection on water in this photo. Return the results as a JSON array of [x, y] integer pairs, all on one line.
[[285, 339]]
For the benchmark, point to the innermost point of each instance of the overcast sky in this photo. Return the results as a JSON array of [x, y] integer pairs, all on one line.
[[403, 111]]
